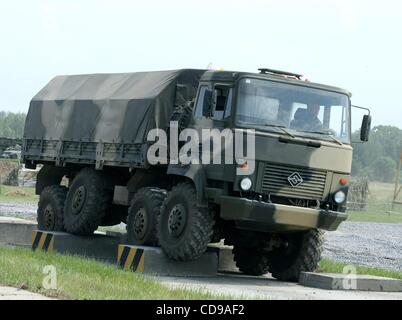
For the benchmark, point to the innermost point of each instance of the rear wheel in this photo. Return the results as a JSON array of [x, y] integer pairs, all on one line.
[[184, 229], [87, 203], [298, 252], [253, 262], [51, 208], [143, 214]]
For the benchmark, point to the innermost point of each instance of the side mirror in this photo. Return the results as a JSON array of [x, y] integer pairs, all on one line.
[[207, 103], [365, 128]]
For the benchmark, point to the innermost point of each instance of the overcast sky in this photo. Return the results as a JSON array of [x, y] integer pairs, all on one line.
[[352, 44]]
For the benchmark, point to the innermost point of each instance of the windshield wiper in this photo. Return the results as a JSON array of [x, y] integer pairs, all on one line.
[[327, 133], [282, 128]]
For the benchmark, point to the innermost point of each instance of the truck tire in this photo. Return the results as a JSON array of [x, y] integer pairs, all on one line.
[[252, 262], [184, 229], [301, 251], [143, 214], [51, 208], [87, 202]]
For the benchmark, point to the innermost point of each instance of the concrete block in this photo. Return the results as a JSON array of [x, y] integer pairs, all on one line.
[[97, 246], [226, 261], [152, 261], [349, 282], [17, 232]]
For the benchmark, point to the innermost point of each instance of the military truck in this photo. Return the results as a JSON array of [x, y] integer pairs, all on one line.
[[92, 131]]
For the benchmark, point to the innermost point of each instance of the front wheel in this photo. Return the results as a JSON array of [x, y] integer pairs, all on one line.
[[184, 229], [298, 252], [251, 261]]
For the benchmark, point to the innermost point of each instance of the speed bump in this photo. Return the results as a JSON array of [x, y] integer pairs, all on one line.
[[153, 261], [42, 241], [97, 246], [131, 258]]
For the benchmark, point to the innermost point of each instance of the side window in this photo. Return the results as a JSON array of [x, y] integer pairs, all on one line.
[[228, 108], [337, 120], [200, 100], [223, 102]]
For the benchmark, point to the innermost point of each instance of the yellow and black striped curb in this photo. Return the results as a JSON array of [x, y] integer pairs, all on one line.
[[130, 258], [42, 241]]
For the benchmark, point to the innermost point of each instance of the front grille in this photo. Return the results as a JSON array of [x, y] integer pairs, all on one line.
[[275, 182]]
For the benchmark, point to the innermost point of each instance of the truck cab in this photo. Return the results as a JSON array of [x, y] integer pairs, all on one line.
[[303, 152]]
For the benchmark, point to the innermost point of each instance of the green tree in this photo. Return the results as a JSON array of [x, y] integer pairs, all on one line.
[[383, 169], [377, 159], [12, 124]]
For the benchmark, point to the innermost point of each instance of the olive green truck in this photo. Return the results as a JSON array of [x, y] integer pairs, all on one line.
[[92, 136]]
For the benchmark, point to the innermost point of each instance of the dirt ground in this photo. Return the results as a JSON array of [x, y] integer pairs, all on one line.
[[6, 167]]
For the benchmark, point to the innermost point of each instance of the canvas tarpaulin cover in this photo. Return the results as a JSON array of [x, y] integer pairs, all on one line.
[[108, 107]]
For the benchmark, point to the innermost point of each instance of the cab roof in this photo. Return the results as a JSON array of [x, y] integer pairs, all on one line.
[[232, 76]]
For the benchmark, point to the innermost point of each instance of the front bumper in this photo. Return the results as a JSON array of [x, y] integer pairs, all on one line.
[[262, 216]]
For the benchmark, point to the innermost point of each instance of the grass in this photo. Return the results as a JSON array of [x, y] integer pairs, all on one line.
[[328, 266], [18, 194], [374, 216], [379, 205], [79, 278], [6, 160], [382, 191]]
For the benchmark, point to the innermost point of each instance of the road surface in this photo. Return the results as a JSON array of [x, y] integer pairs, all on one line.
[[8, 293]]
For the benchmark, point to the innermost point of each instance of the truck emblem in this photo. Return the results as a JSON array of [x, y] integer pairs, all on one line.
[[295, 179]]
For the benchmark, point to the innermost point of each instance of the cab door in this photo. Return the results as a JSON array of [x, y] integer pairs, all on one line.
[[218, 116]]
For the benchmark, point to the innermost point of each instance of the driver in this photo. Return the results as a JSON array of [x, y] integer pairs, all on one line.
[[307, 119]]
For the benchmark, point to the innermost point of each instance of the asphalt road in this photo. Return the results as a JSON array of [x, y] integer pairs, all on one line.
[[240, 286], [8, 293]]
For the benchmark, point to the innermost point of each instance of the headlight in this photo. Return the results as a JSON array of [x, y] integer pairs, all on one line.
[[245, 184], [340, 197]]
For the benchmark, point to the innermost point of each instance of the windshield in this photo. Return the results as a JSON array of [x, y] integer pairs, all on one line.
[[304, 111]]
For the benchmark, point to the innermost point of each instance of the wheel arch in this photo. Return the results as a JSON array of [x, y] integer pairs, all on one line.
[[48, 175], [194, 174], [146, 178]]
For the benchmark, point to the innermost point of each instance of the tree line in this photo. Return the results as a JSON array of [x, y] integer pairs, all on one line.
[[12, 124], [376, 159]]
